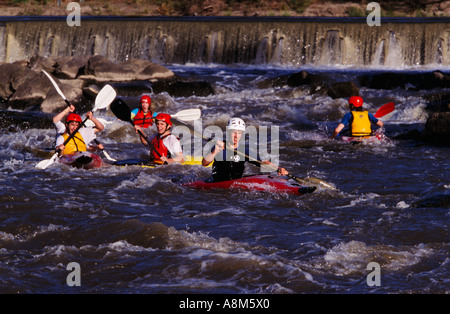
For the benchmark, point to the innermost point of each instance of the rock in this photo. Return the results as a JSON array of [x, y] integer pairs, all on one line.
[[38, 63], [438, 102], [12, 76], [53, 102], [177, 88], [411, 81], [101, 69], [71, 67], [292, 80], [300, 78], [343, 90], [31, 93], [155, 72], [437, 128], [25, 120]]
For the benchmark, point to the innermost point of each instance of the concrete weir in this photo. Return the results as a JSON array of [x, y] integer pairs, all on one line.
[[226, 40]]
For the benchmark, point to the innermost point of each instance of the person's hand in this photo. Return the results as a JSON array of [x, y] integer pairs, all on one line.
[[220, 146], [164, 159], [137, 128], [89, 115], [282, 171]]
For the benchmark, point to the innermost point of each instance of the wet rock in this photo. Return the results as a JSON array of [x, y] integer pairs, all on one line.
[[438, 102], [38, 63], [100, 69], [25, 120], [343, 90], [31, 93], [437, 128], [300, 78], [72, 67], [177, 88], [410, 81], [12, 77]]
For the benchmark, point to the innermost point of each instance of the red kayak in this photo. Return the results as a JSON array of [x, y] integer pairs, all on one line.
[[264, 183], [83, 160]]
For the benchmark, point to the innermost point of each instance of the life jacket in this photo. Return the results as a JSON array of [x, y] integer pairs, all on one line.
[[158, 146], [230, 166], [142, 119], [76, 144], [360, 124]]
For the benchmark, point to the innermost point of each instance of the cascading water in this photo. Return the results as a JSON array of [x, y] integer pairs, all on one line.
[[225, 40]]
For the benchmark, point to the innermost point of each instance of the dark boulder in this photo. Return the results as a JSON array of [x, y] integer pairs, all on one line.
[[177, 88], [437, 128], [343, 90]]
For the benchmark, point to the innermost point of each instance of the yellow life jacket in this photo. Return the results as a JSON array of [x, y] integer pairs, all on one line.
[[76, 144], [361, 124]]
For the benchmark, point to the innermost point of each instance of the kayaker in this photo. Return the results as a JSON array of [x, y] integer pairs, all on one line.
[[165, 147], [358, 120], [80, 142], [227, 163], [143, 116]]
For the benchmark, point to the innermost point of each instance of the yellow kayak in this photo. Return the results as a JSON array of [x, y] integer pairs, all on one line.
[[145, 163]]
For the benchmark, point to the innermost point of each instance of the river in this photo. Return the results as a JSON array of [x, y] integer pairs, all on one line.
[[137, 230], [132, 230]]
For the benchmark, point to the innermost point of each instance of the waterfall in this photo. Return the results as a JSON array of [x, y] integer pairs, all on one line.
[[286, 41]]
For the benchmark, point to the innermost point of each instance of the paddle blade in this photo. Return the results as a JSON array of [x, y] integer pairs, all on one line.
[[104, 98], [91, 124], [188, 115], [384, 110], [47, 162], [58, 90], [121, 110], [313, 181]]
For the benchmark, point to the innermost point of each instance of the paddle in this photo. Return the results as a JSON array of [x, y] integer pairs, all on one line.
[[57, 87], [104, 102], [302, 181], [384, 110], [188, 114], [106, 95]]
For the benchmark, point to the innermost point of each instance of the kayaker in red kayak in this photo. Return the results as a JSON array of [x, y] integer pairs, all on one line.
[[85, 135], [164, 147], [227, 163], [359, 120]]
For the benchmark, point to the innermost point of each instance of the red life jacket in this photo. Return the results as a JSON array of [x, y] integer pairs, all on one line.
[[158, 146], [143, 120]]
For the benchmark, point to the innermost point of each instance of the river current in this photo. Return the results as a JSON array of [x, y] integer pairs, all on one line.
[[137, 230]]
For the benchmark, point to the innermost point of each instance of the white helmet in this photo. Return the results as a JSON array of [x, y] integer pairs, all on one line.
[[236, 124]]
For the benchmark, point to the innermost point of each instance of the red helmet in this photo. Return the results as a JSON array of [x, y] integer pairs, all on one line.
[[73, 117], [146, 98], [356, 101], [164, 117]]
